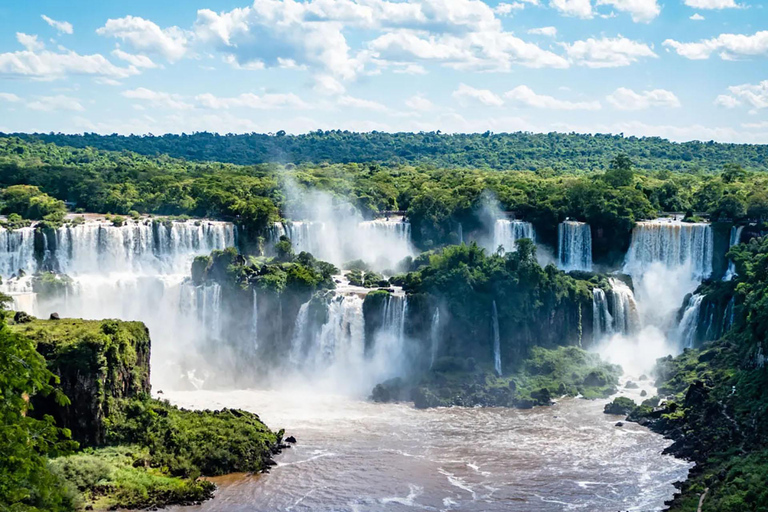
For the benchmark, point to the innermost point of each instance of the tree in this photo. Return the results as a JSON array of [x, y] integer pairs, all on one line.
[[733, 173], [620, 172], [31, 203]]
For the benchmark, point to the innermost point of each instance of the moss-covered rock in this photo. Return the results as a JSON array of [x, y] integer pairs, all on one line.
[[98, 363], [621, 406]]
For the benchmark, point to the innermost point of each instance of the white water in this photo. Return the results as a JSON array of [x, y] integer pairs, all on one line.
[[736, 232], [574, 246], [602, 321], [496, 340], [434, 337], [686, 331], [673, 243], [17, 250], [507, 232]]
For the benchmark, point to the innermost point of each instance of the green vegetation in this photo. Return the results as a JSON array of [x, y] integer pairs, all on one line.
[[544, 375], [717, 408], [553, 152], [92, 377], [29, 202]]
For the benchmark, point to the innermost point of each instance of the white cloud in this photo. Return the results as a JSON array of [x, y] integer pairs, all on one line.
[[627, 99], [728, 46], [419, 102], [525, 96], [145, 36], [575, 8], [9, 97], [158, 99], [47, 65], [607, 52], [712, 4], [29, 42], [411, 69], [62, 27], [755, 95], [350, 101], [763, 125], [59, 102], [328, 85], [250, 100], [727, 101], [544, 31], [642, 11], [140, 61], [507, 8], [466, 95], [697, 17]]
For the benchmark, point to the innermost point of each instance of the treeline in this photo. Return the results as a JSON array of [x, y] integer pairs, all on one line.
[[552, 152], [437, 200]]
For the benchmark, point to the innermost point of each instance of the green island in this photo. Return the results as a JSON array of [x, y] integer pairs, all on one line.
[[79, 429]]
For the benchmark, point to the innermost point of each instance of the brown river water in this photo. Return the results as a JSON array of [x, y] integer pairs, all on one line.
[[354, 456]]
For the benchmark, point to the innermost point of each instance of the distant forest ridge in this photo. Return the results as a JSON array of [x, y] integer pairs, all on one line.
[[563, 153]]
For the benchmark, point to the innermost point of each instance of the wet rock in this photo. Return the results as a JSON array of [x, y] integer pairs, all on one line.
[[643, 377], [290, 439], [55, 316], [631, 385], [621, 406], [643, 393], [22, 318], [620, 424]]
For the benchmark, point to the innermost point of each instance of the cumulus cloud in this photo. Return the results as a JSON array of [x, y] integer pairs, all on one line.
[[29, 42], [139, 61], [507, 8], [146, 36], [250, 100], [419, 102], [754, 95], [9, 97], [62, 27], [727, 46], [544, 31], [642, 11], [59, 102], [627, 99], [607, 52], [467, 95], [575, 8], [712, 4], [158, 99], [697, 17], [525, 96], [724, 100]]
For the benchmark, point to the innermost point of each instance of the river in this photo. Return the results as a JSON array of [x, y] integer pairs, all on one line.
[[355, 455]]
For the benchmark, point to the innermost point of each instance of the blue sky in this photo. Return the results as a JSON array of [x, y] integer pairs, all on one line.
[[679, 69]]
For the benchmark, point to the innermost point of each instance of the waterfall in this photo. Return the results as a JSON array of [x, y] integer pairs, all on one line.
[[300, 333], [672, 243], [689, 323], [624, 307], [461, 234], [506, 233], [341, 340], [575, 246], [255, 321], [434, 337], [496, 340], [17, 251], [735, 240], [602, 322]]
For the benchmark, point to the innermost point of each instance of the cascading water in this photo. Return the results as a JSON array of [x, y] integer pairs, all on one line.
[[133, 272], [17, 251], [736, 232], [574, 246], [690, 321], [496, 339], [672, 243], [434, 337], [624, 307], [602, 321], [507, 232]]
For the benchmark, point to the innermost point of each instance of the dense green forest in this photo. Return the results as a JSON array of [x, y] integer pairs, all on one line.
[[553, 152], [436, 200]]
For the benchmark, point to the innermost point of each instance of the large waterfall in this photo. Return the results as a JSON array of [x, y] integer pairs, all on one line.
[[574, 246], [507, 232], [133, 272], [615, 312], [673, 244], [381, 242], [689, 322]]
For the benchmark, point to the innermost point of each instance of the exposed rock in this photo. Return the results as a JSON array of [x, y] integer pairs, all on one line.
[[631, 385], [54, 316], [619, 424], [643, 393], [621, 406], [290, 439], [20, 317]]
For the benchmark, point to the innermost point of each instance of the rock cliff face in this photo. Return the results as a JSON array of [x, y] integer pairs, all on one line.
[[99, 363]]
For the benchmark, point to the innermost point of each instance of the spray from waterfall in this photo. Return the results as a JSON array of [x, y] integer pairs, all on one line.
[[496, 339], [434, 337]]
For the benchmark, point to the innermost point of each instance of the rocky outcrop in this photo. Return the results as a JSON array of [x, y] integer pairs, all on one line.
[[98, 364]]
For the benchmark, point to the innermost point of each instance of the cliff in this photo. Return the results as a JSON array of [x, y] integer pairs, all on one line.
[[99, 363]]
